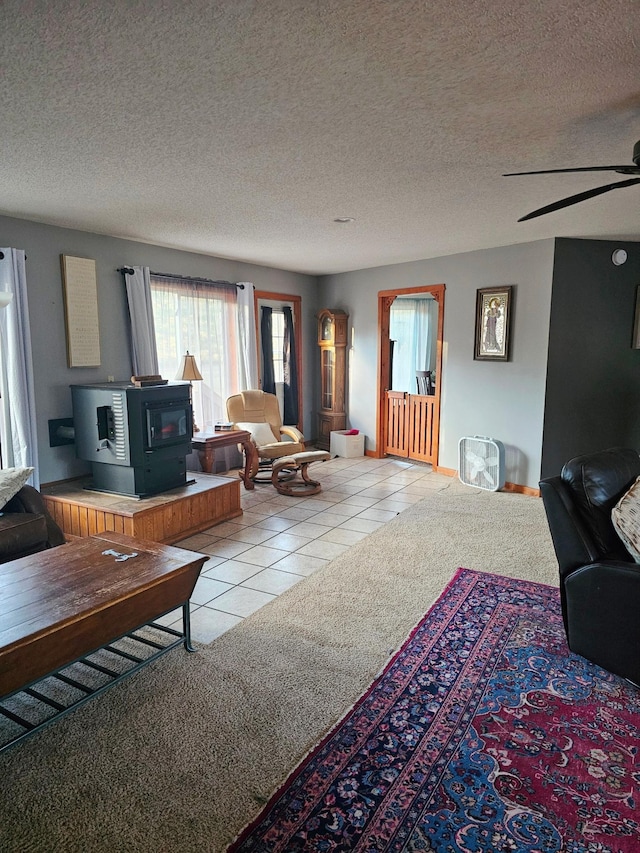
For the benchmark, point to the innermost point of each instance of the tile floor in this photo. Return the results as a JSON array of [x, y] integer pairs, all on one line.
[[280, 540]]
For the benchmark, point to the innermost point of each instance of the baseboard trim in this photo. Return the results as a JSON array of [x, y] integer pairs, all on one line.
[[522, 490], [448, 472], [508, 487]]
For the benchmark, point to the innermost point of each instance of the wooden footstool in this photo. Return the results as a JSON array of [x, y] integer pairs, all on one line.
[[298, 462]]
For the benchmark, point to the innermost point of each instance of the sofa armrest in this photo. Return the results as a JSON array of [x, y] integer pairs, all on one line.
[[30, 500], [27, 499], [602, 605], [21, 533], [573, 544]]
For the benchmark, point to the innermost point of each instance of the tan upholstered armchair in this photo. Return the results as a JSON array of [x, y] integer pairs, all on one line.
[[259, 414]]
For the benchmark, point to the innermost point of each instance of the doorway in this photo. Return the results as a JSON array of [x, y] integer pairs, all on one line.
[[409, 372]]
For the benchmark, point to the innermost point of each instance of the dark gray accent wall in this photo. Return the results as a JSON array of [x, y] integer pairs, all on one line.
[[592, 396], [44, 244]]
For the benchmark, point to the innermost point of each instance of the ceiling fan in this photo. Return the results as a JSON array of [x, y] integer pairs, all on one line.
[[574, 199]]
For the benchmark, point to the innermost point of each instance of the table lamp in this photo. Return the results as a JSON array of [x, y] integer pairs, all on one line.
[[187, 372]]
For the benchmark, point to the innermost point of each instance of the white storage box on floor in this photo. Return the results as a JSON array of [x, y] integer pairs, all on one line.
[[345, 445]]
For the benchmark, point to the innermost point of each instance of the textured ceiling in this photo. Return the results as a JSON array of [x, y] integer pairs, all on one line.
[[242, 128]]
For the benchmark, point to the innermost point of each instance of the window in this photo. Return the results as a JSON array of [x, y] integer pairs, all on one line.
[[278, 327], [277, 341], [203, 319]]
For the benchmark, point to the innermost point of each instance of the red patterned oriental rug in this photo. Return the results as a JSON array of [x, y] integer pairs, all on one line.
[[483, 733]]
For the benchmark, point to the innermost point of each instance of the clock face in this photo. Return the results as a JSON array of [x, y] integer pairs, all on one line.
[[327, 329]]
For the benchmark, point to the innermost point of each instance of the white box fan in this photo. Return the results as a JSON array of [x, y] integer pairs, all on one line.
[[481, 462]]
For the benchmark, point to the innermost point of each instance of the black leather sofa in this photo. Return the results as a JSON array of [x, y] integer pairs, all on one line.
[[599, 580], [26, 526]]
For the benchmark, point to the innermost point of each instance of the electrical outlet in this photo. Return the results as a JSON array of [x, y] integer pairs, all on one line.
[[111, 379]]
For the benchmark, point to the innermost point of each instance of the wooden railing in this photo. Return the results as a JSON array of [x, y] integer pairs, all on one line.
[[410, 426]]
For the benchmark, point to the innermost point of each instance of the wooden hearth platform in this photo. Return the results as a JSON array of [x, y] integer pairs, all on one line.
[[165, 518]]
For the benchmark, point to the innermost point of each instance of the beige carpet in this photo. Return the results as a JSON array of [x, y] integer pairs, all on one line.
[[180, 756]]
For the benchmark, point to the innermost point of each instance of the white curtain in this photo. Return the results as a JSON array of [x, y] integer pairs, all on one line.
[[247, 332], [414, 328], [18, 422], [215, 323], [144, 355]]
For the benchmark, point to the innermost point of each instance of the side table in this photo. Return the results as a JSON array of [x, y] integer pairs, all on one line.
[[206, 443]]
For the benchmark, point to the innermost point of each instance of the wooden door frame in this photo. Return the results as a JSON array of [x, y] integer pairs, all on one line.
[[386, 299], [296, 302]]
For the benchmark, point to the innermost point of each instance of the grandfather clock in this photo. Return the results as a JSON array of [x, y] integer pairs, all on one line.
[[332, 340]]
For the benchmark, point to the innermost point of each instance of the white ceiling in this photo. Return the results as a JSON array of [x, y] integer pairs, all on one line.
[[242, 128]]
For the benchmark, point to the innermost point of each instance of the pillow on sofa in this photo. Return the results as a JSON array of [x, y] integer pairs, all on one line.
[[261, 433], [626, 519], [11, 481]]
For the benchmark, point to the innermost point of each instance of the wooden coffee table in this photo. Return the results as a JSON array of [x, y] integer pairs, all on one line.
[[61, 605]]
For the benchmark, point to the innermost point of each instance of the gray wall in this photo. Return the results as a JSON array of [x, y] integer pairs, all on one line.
[[503, 400], [592, 397], [44, 244], [593, 383]]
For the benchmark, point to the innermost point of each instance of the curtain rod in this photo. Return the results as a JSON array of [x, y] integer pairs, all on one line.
[[129, 271]]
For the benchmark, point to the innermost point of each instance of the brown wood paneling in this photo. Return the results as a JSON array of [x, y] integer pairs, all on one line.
[[163, 518], [83, 520]]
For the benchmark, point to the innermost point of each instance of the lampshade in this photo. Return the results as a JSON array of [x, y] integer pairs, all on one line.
[[188, 368], [5, 298]]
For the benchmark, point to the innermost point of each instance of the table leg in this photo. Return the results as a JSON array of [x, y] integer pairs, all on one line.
[[249, 454], [206, 458], [186, 627]]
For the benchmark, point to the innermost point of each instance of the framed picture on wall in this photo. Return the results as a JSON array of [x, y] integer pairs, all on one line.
[[493, 323]]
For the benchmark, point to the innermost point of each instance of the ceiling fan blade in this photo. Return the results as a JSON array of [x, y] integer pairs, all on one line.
[[631, 170], [574, 199]]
